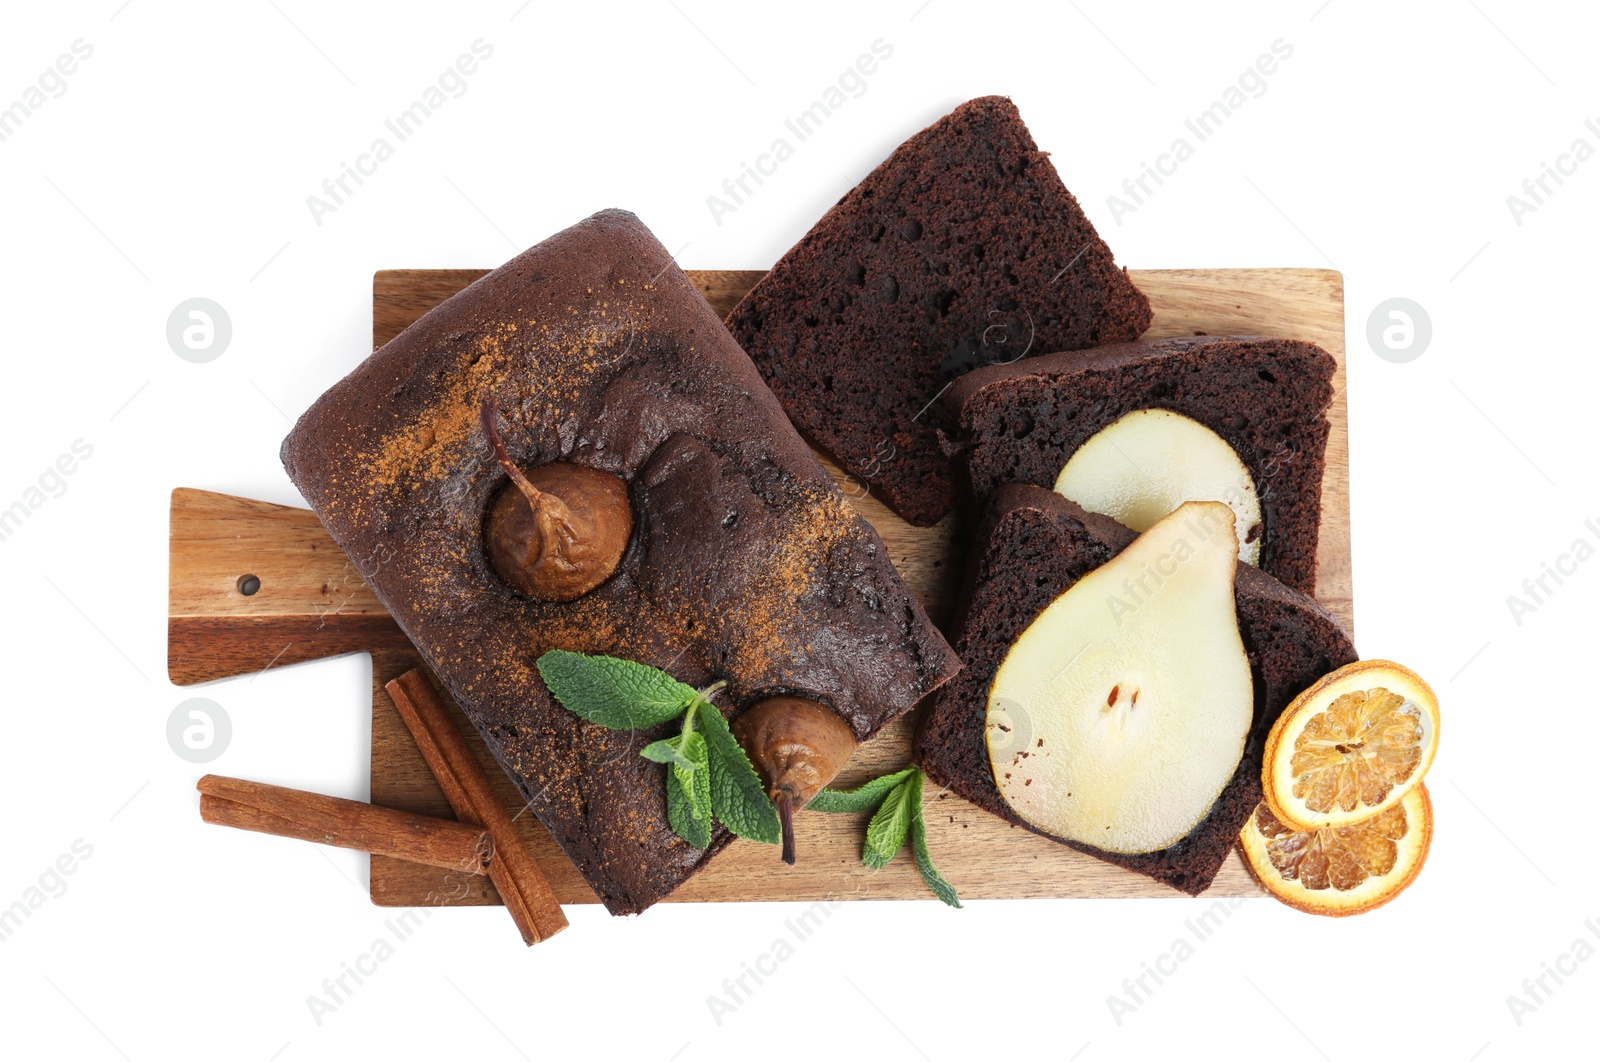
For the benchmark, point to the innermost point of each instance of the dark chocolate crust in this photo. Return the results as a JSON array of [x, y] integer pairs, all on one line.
[[1267, 398], [746, 562], [962, 249], [1032, 545]]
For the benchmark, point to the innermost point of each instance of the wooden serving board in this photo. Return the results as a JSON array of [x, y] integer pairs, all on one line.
[[312, 603]]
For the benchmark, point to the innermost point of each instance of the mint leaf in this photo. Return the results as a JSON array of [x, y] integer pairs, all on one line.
[[619, 694], [667, 751], [886, 833], [919, 848], [737, 795], [863, 798], [695, 832], [688, 782], [689, 803], [697, 780], [689, 788]]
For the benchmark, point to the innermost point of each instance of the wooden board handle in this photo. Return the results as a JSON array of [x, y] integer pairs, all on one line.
[[253, 585]]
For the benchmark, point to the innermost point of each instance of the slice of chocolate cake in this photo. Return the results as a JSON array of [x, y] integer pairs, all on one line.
[[1266, 398], [1031, 546], [743, 561], [963, 249]]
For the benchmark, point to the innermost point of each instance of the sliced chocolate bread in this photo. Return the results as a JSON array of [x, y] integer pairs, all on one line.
[[962, 249], [1266, 398], [744, 562], [1031, 546]]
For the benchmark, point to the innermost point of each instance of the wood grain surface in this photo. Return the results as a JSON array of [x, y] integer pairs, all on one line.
[[311, 602], [307, 608]]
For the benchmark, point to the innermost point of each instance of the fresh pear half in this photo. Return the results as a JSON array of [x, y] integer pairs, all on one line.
[[1119, 715], [1145, 464]]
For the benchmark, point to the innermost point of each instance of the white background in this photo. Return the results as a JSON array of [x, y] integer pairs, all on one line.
[[177, 164]]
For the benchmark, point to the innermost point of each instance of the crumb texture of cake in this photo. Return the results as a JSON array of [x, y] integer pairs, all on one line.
[[1267, 398], [1031, 546], [745, 563], [963, 249]]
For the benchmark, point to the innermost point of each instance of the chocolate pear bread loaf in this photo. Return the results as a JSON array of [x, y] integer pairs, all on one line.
[[962, 249], [1031, 546], [1267, 398], [743, 560]]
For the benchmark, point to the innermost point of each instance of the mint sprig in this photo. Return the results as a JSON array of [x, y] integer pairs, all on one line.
[[708, 774], [898, 800]]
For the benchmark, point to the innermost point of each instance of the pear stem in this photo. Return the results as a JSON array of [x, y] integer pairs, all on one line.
[[544, 505], [786, 819]]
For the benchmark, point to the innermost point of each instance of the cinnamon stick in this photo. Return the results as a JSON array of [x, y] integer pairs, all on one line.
[[263, 808], [518, 879]]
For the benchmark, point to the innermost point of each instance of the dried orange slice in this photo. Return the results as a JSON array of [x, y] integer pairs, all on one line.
[[1350, 746], [1343, 870]]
